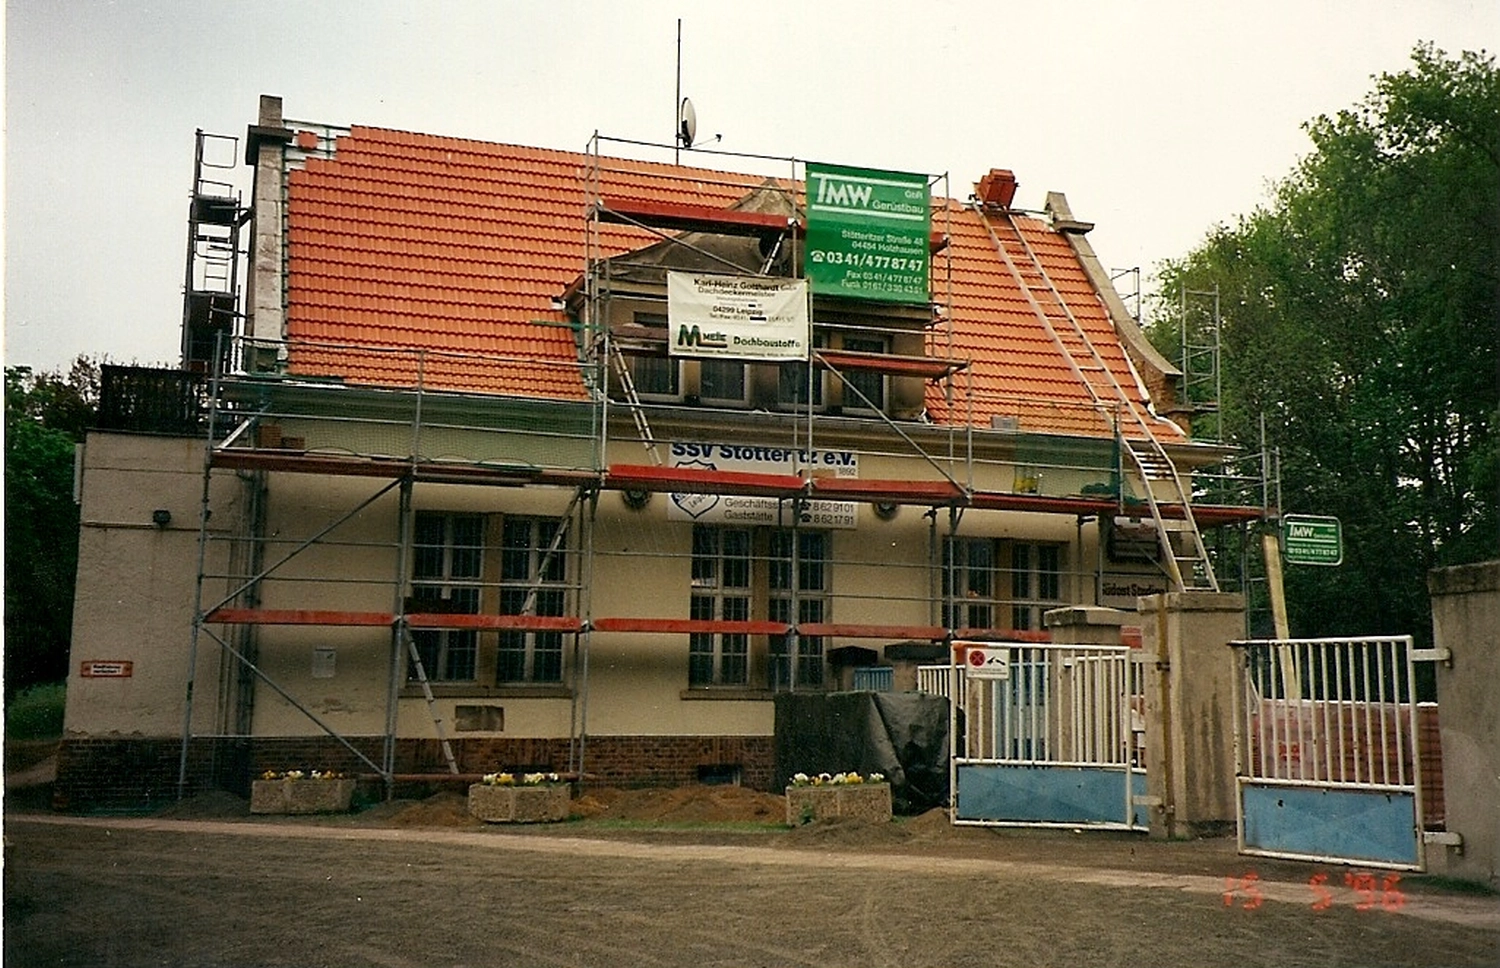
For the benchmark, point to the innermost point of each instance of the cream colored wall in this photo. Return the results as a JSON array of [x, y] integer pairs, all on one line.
[[136, 581], [137, 577]]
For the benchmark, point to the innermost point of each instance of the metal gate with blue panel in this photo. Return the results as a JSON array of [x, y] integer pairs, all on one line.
[[1047, 735], [1328, 763]]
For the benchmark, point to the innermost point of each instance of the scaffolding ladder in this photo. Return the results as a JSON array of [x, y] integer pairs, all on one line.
[[1184, 556], [420, 669], [211, 283], [633, 400]]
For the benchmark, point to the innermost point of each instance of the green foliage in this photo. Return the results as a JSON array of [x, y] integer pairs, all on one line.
[[36, 713], [1360, 310], [45, 416]]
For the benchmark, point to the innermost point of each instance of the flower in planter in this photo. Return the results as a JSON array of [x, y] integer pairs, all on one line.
[[303, 774], [835, 779], [527, 779]]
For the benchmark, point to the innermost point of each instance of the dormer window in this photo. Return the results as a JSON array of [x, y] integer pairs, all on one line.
[[721, 382], [792, 386], [870, 385], [656, 376]]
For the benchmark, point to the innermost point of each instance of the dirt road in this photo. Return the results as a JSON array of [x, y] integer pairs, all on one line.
[[214, 892]]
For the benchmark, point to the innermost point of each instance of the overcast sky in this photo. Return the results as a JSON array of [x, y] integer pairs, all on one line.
[[1158, 119]]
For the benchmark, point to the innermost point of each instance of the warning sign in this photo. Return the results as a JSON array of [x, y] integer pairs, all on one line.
[[987, 662]]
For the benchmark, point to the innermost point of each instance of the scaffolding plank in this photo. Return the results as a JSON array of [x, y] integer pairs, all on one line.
[[886, 491], [301, 462], [930, 367], [527, 623], [682, 217], [675, 626], [296, 616], [685, 217], [647, 477], [845, 630]]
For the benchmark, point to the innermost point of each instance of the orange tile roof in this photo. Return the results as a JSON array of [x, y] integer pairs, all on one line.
[[412, 254]]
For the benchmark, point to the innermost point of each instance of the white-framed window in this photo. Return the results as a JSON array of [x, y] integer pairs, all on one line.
[[745, 573], [447, 566], [799, 571], [1000, 585], [1035, 583], [969, 581], [721, 590], [533, 581]]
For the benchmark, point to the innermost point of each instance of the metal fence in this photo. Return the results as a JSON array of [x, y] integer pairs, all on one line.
[[1328, 757], [1049, 734]]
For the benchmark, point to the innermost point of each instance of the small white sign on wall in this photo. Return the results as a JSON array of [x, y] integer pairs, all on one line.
[[324, 661]]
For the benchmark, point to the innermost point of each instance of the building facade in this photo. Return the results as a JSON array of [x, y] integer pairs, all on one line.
[[459, 473]]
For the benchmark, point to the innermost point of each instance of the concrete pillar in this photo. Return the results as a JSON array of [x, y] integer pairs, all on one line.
[[1466, 621], [1086, 624], [1189, 678]]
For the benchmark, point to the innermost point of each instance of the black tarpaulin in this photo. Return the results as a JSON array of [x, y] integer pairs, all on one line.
[[903, 735]]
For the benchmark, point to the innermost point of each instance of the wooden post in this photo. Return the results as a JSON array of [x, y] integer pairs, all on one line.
[[1291, 681]]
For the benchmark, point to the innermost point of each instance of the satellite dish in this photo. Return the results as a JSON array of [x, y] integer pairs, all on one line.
[[687, 123]]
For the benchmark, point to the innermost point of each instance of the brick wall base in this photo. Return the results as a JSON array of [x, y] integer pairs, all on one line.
[[142, 773]]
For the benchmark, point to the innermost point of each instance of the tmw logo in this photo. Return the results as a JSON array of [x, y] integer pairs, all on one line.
[[692, 336], [844, 194]]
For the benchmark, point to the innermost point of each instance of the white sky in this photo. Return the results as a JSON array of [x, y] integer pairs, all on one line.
[[1158, 119]]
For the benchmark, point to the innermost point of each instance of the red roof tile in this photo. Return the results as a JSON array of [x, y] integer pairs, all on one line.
[[411, 246]]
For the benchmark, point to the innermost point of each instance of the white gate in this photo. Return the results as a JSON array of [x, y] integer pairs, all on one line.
[[1046, 735], [1328, 763]]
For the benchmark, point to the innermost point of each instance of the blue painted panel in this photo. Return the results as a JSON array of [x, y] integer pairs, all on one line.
[[1042, 794], [1140, 814], [1366, 825]]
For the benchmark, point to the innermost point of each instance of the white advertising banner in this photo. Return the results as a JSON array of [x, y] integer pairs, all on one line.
[[737, 317], [752, 459]]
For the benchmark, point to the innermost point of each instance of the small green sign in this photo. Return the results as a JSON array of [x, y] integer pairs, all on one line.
[[1309, 540], [867, 233]]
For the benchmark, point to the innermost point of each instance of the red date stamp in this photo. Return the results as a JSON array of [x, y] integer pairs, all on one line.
[[1370, 891]]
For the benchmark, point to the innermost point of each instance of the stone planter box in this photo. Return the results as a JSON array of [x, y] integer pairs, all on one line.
[[547, 803], [301, 796], [866, 802]]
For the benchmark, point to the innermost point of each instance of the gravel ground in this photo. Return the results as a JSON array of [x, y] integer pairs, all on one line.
[[699, 876]]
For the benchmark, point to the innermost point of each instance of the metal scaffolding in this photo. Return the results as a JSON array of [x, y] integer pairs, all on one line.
[[266, 416]]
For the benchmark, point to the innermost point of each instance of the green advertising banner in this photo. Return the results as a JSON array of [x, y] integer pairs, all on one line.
[[867, 233]]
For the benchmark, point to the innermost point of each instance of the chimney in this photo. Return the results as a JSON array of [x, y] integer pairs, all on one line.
[[997, 189]]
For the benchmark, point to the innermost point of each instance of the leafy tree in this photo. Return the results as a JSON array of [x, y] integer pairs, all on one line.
[[1360, 309], [45, 416]]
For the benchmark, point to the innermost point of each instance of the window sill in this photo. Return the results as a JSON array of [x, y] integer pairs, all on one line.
[[727, 693], [469, 690]]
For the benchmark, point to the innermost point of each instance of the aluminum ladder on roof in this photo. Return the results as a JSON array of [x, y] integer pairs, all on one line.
[[1188, 568]]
